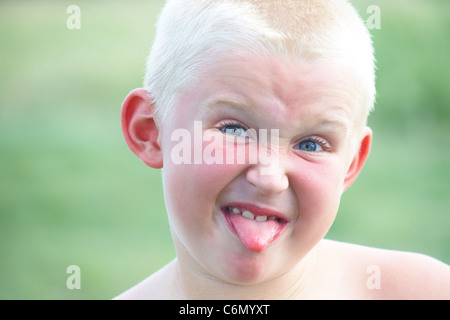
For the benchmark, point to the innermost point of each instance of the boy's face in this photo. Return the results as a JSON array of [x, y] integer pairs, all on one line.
[[297, 192]]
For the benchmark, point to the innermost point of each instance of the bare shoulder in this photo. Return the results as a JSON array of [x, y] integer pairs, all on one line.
[[154, 287], [374, 273], [415, 276]]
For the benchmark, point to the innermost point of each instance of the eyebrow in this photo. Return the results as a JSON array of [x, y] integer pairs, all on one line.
[[342, 123], [222, 101]]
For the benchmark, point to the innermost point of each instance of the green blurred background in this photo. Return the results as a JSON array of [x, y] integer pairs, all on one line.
[[72, 192]]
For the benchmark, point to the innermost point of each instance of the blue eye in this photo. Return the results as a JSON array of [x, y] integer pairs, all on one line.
[[309, 146], [235, 130]]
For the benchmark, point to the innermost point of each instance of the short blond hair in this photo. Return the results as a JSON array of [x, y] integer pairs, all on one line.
[[191, 33]]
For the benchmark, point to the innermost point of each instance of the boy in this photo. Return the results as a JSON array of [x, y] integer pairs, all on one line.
[[248, 211]]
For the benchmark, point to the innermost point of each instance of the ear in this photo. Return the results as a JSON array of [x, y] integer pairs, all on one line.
[[359, 158], [139, 128]]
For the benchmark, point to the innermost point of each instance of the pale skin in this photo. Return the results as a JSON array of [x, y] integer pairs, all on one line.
[[312, 105]]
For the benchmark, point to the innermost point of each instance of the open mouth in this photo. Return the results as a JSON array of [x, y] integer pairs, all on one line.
[[256, 227]]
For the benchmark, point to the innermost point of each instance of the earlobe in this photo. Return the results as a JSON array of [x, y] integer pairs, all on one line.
[[139, 128], [359, 158]]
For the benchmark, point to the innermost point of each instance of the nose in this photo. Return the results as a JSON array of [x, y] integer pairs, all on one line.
[[268, 176]]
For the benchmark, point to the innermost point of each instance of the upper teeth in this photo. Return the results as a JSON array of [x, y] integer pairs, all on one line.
[[247, 214]]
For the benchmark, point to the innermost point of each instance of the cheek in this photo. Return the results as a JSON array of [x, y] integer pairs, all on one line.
[[318, 188], [191, 193], [191, 188]]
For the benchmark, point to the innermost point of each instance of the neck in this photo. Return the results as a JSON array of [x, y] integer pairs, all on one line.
[[191, 283]]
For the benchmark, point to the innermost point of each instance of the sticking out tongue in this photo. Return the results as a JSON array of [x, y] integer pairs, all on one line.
[[255, 235]]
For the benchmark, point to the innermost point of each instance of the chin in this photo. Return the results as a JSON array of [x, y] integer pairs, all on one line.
[[250, 268]]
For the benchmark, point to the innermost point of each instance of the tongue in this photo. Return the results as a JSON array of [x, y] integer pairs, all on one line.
[[255, 235]]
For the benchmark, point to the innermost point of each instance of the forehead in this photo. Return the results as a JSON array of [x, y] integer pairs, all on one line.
[[285, 87]]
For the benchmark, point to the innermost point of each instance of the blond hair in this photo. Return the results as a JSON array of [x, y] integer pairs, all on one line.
[[191, 33]]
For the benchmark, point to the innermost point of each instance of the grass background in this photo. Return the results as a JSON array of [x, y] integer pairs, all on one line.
[[72, 193]]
